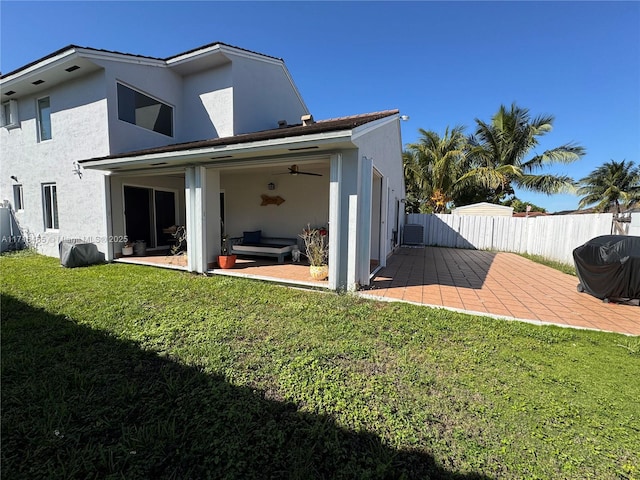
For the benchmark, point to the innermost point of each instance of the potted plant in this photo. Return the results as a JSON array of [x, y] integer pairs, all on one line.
[[316, 243], [225, 259], [127, 249]]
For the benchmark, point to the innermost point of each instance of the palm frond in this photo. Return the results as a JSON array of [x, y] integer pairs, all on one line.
[[548, 183], [563, 154], [611, 183]]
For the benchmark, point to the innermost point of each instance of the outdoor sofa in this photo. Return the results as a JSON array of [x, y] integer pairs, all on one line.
[[254, 244]]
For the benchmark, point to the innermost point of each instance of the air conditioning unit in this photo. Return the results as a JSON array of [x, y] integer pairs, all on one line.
[[413, 235]]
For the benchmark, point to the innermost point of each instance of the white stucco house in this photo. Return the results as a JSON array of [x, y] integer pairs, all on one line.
[[99, 145]]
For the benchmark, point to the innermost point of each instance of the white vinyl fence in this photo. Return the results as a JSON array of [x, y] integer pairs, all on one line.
[[553, 237]]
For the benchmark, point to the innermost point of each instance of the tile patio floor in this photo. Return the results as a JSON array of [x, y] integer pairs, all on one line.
[[498, 284], [248, 267]]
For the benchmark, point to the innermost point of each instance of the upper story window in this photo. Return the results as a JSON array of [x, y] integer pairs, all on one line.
[[139, 109], [9, 114], [18, 201], [50, 206], [44, 119]]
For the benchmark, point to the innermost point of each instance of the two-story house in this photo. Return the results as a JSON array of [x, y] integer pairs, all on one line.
[[106, 146]]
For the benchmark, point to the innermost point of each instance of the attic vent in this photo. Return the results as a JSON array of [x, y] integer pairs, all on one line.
[[282, 123], [38, 82], [307, 120], [302, 148], [72, 68], [10, 92]]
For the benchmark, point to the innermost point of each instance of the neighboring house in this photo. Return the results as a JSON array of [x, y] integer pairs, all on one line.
[[484, 209], [100, 145], [530, 214]]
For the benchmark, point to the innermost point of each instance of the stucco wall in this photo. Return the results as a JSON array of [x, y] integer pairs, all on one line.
[[208, 105], [384, 146], [78, 125], [263, 95], [306, 202], [158, 82]]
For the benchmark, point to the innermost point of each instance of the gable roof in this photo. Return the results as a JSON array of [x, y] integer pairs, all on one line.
[[74, 61], [75, 48], [294, 132]]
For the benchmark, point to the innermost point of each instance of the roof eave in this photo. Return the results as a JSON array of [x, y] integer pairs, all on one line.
[[212, 155], [51, 69]]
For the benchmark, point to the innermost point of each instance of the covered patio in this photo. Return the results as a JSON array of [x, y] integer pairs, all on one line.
[[343, 175], [288, 273]]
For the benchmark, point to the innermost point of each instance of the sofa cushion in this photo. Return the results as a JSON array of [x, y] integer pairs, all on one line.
[[251, 238]]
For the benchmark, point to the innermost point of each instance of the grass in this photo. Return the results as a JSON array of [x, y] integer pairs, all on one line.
[[560, 266], [122, 371]]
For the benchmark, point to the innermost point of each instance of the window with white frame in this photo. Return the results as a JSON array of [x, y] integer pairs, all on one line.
[[146, 112], [44, 119], [9, 114], [18, 201], [50, 206]]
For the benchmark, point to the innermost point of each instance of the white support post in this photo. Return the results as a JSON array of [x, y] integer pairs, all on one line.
[[200, 218], [334, 219], [195, 190], [189, 200], [110, 255], [352, 264]]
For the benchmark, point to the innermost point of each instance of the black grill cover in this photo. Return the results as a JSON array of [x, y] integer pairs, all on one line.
[[609, 266], [73, 253]]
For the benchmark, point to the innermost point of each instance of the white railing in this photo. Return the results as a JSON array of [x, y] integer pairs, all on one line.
[[553, 237]]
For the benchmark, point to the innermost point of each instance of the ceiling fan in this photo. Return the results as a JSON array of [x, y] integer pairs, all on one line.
[[293, 170]]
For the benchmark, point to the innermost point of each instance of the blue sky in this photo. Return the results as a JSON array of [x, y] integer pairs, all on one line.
[[441, 63]]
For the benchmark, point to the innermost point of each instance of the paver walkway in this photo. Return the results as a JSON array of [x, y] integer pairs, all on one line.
[[498, 284]]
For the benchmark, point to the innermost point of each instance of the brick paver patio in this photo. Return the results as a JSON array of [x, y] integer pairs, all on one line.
[[498, 284]]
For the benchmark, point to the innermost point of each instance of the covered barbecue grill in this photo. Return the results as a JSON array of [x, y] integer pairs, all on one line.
[[75, 253], [608, 267]]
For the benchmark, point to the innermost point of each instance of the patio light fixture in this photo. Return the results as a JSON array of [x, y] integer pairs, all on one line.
[[271, 186]]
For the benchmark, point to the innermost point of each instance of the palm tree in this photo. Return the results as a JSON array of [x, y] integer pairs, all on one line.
[[499, 153], [433, 165], [609, 184]]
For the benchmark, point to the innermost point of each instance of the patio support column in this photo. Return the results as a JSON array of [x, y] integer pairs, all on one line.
[[343, 184], [335, 194], [352, 262], [108, 219], [195, 179]]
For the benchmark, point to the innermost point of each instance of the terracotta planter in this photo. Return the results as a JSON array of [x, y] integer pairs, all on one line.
[[226, 261], [320, 272]]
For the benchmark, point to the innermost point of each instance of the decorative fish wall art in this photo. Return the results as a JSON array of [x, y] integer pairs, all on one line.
[[267, 200]]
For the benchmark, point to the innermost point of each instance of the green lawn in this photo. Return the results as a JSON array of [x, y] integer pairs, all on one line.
[[563, 267], [130, 372]]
